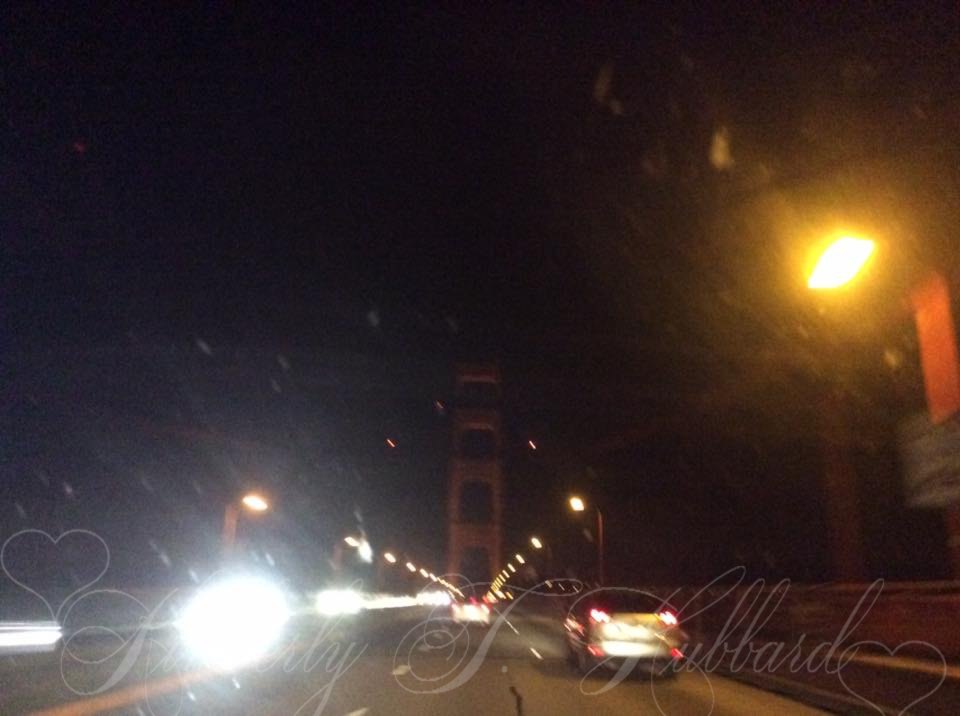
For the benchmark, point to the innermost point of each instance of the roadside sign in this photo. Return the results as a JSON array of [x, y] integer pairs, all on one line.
[[930, 455]]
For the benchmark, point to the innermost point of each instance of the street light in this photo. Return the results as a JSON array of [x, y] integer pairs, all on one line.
[[411, 567], [362, 545], [389, 557], [930, 300], [520, 559], [255, 502], [840, 262], [537, 544], [578, 505], [231, 516]]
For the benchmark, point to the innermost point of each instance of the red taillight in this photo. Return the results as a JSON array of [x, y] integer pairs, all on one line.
[[599, 616], [668, 618], [595, 650], [676, 653]]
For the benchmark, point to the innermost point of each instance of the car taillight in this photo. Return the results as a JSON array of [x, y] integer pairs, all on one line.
[[668, 618], [599, 616]]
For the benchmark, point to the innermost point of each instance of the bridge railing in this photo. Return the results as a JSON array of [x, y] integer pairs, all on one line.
[[909, 615]]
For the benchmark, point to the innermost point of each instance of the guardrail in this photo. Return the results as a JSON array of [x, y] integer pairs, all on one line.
[[893, 614]]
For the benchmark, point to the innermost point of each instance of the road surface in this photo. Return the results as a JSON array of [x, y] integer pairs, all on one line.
[[392, 663]]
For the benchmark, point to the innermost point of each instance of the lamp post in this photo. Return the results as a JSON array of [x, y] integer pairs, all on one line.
[[251, 502], [839, 264], [546, 547], [578, 505]]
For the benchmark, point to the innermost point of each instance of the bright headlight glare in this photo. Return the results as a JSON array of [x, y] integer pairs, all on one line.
[[234, 622], [334, 602]]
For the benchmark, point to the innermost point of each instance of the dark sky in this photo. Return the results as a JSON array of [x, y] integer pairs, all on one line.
[[375, 194]]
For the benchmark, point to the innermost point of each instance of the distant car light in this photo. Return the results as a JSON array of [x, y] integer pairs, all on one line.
[[234, 622]]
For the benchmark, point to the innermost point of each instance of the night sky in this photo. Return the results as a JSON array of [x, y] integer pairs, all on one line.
[[247, 245]]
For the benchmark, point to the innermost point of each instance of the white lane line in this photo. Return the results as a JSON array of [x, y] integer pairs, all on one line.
[[359, 712], [401, 670], [536, 653]]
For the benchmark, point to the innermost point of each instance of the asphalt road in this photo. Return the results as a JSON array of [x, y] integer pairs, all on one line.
[[394, 662]]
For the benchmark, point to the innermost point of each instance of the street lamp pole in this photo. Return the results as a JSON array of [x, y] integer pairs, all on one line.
[[231, 517], [578, 505], [936, 336], [600, 575]]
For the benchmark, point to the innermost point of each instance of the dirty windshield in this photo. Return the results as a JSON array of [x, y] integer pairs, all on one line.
[[485, 358]]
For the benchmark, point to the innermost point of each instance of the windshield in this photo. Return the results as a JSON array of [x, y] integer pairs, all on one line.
[[363, 359]]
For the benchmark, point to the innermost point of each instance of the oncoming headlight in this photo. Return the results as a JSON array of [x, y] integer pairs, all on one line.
[[234, 622]]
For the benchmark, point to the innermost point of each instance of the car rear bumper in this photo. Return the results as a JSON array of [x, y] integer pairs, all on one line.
[[632, 649], [470, 616]]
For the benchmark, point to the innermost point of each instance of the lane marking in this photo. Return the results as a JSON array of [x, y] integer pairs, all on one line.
[[359, 712]]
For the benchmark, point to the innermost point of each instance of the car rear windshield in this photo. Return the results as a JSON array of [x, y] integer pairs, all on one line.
[[626, 601]]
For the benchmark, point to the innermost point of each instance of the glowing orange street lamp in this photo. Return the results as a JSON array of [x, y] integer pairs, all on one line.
[[840, 262]]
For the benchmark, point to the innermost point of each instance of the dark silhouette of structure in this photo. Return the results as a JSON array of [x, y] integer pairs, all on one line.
[[474, 503]]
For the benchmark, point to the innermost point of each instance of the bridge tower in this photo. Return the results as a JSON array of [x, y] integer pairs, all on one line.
[[475, 486]]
